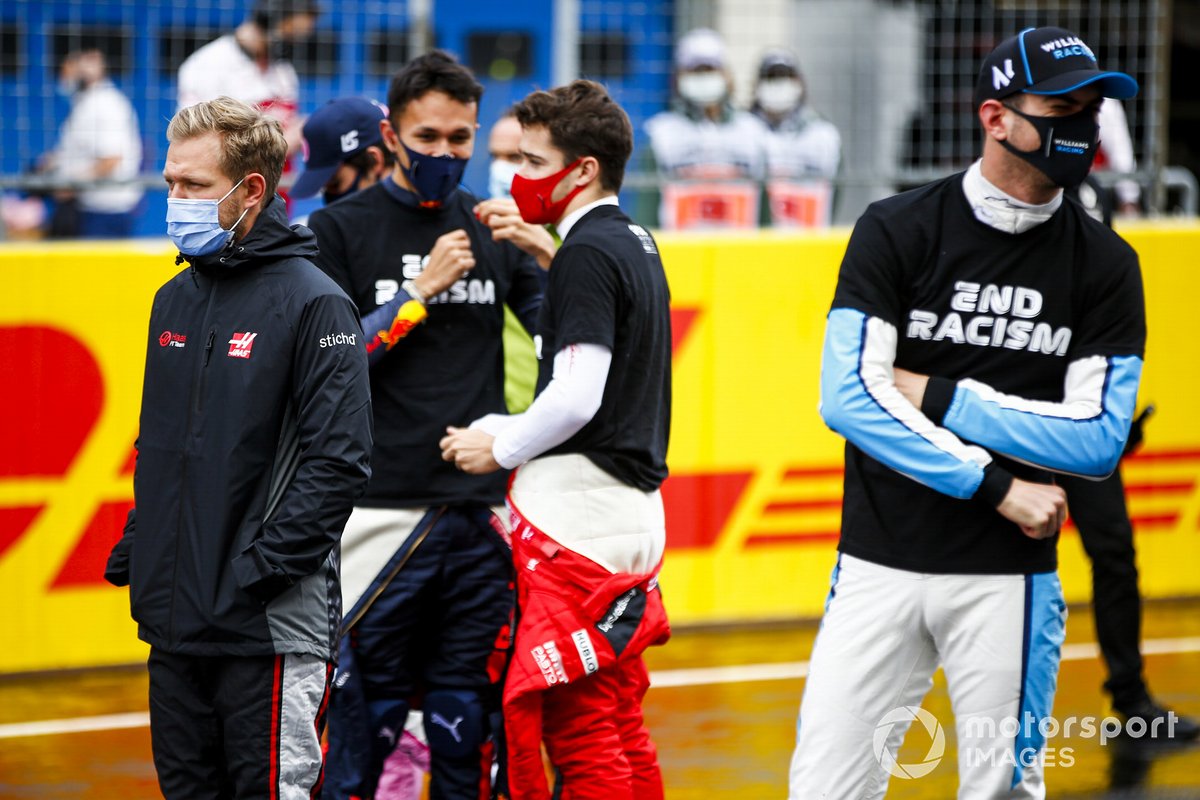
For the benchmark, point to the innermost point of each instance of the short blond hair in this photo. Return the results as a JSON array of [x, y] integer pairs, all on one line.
[[250, 140]]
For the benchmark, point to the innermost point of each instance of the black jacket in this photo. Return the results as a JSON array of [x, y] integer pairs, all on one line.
[[254, 442]]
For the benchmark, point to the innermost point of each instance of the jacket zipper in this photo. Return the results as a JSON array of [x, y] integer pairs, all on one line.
[[193, 406]]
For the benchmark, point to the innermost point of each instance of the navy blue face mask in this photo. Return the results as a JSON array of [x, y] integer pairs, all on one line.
[[332, 197], [433, 177], [1068, 146]]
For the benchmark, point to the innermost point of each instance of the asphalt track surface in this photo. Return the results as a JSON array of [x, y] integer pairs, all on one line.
[[722, 710]]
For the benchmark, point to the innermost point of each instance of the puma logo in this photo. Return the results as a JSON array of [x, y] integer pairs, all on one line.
[[438, 719]]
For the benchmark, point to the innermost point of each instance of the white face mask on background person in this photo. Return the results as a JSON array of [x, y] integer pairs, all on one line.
[[703, 88], [194, 225], [500, 178], [779, 95]]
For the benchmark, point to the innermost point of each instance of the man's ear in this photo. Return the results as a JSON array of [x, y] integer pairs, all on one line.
[[256, 190], [378, 163], [589, 171], [391, 140], [991, 117]]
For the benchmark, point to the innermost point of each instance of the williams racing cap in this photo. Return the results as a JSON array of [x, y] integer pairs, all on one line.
[[336, 131], [1047, 61]]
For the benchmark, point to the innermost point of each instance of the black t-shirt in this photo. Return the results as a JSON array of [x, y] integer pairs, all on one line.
[[922, 262], [607, 287], [449, 370]]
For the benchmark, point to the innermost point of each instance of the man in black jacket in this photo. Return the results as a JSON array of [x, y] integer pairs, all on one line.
[[424, 553], [255, 435]]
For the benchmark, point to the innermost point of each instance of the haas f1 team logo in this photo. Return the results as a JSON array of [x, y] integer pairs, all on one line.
[[241, 344]]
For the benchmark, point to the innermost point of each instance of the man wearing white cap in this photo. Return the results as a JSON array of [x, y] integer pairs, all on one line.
[[803, 149], [708, 154]]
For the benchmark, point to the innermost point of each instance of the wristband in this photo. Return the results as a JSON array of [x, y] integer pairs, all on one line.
[[413, 291]]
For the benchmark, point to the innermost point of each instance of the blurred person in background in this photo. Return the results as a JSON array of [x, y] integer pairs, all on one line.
[[343, 150], [1101, 514], [803, 149], [1116, 155], [709, 156], [99, 141], [504, 148], [254, 64], [500, 213]]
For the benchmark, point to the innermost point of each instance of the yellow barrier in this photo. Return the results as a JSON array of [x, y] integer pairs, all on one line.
[[755, 495]]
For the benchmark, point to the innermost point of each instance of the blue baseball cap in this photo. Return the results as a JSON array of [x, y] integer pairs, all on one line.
[[336, 131], [1047, 61]]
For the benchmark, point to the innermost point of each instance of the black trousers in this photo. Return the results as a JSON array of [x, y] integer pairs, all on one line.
[[237, 728], [1099, 511]]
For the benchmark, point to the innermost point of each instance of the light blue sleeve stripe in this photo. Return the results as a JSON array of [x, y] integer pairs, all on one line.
[[1045, 630], [849, 409], [1090, 447]]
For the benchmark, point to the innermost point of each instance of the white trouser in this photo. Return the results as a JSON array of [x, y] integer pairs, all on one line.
[[582, 507], [884, 633]]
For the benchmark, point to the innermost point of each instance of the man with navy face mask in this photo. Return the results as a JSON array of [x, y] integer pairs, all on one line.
[[253, 443], [423, 547]]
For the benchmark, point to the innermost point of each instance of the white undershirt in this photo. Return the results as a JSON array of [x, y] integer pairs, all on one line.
[[567, 403], [999, 209], [568, 222]]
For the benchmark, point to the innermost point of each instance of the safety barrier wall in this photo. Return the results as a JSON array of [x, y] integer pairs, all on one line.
[[754, 499]]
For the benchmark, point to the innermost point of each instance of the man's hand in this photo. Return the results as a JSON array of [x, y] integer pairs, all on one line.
[[469, 449], [449, 262], [911, 385], [1038, 508], [502, 216]]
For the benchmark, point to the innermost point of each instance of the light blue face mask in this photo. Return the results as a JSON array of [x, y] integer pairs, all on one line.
[[195, 225]]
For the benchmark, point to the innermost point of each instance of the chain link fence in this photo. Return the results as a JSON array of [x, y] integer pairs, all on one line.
[[894, 76]]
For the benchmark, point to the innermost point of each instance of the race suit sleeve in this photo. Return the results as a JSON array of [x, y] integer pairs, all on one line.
[[383, 326], [116, 571], [331, 397], [859, 398], [1085, 433]]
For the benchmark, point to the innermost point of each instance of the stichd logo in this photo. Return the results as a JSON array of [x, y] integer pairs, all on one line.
[[906, 715]]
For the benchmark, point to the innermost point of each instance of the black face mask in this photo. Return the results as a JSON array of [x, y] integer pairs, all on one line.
[[1068, 146], [332, 197]]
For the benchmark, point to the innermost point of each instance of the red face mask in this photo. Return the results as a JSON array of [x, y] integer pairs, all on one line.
[[533, 196]]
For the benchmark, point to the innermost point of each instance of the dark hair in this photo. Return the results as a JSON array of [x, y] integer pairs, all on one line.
[[269, 14], [362, 161], [583, 121], [435, 71]]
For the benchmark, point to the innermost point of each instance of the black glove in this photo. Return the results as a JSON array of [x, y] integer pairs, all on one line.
[[1135, 430]]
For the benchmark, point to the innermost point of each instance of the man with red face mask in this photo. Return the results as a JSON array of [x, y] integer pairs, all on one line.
[[422, 550], [588, 523]]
